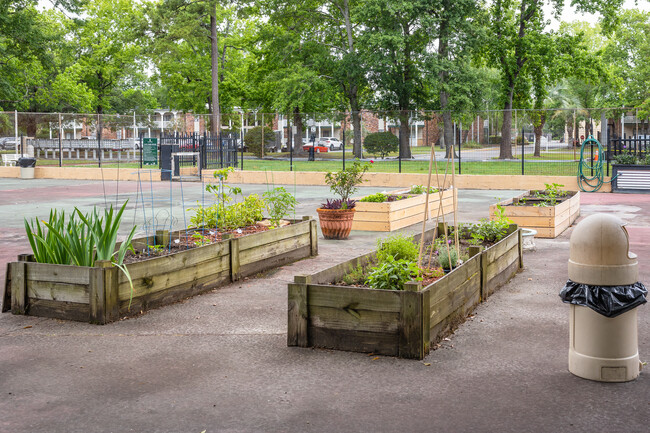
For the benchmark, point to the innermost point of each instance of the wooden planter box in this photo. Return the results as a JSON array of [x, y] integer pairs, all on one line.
[[397, 323], [101, 294], [631, 178], [548, 221], [389, 216]]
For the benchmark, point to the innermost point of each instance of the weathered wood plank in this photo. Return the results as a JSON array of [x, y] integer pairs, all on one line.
[[272, 236], [354, 298], [502, 278], [458, 276], [58, 291], [59, 310], [411, 343], [111, 293], [355, 341], [178, 261], [298, 316], [155, 282], [501, 247], [173, 293], [354, 319], [313, 237], [275, 261], [459, 296], [503, 261], [336, 272], [18, 293], [58, 273], [451, 322], [269, 250]]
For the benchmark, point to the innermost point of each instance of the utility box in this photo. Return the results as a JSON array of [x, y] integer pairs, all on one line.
[[603, 292]]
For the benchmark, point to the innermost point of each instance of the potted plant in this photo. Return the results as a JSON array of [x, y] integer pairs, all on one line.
[[336, 216]]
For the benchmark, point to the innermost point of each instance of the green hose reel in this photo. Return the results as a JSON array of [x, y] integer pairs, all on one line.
[[591, 183]]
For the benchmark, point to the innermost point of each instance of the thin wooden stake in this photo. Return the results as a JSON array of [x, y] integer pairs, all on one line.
[[426, 204]]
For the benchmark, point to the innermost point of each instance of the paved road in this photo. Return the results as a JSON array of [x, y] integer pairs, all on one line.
[[219, 362]]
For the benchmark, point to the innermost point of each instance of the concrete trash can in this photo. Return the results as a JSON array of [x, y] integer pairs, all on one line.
[[26, 165], [603, 292]]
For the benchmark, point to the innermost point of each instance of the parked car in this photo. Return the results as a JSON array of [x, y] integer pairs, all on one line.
[[7, 143], [318, 148], [331, 143]]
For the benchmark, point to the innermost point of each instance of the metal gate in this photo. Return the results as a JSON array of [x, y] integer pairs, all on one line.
[[187, 155]]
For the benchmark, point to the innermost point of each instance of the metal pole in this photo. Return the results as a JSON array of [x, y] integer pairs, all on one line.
[[99, 139], [60, 143], [459, 149], [522, 150], [291, 142], [343, 147], [16, 130], [141, 149], [399, 154]]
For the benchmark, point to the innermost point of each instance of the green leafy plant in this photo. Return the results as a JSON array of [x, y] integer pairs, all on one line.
[[646, 160], [201, 240], [490, 231], [420, 189], [381, 143], [279, 203], [344, 183], [356, 275], [397, 246], [550, 195], [448, 257], [374, 198], [391, 274], [625, 157]]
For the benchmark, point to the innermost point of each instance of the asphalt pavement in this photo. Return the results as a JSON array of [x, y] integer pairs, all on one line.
[[219, 362]]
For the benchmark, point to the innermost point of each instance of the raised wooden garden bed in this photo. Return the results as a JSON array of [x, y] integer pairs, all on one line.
[[389, 216], [630, 178], [102, 294], [548, 221], [397, 323]]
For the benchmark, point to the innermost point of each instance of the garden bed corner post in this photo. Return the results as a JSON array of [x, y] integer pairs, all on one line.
[[414, 320], [298, 313], [104, 303]]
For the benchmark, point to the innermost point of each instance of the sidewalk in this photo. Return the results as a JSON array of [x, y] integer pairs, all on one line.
[[219, 362]]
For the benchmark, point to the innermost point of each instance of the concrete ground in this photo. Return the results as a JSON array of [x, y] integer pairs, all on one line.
[[219, 362]]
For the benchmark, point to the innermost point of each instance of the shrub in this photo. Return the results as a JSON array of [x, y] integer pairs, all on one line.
[[381, 143], [355, 276], [230, 217], [646, 160], [398, 246], [625, 158], [253, 139], [419, 189]]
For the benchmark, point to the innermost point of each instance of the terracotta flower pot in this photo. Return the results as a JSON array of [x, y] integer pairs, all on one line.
[[335, 223]]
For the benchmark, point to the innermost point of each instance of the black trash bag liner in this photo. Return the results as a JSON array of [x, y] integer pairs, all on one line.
[[26, 162], [610, 301]]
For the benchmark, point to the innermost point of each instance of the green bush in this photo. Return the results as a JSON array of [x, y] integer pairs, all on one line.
[[279, 203], [253, 139], [381, 143], [448, 258], [230, 217], [646, 160], [398, 246], [625, 158]]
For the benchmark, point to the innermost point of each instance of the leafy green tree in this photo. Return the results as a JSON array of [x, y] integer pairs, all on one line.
[[520, 46], [253, 139], [396, 36]]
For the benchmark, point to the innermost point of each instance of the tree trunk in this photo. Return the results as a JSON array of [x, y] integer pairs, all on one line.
[[404, 135], [297, 138], [538, 134], [569, 133], [215, 117], [505, 152], [448, 127], [356, 125]]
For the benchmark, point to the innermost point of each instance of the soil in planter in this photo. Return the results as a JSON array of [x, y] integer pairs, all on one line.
[[192, 238], [540, 201]]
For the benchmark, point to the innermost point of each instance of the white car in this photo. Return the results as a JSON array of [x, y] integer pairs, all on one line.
[[330, 142]]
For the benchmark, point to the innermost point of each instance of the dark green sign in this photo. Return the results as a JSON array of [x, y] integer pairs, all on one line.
[[149, 151]]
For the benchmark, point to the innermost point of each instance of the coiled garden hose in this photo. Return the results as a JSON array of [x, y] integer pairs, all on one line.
[[593, 183]]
